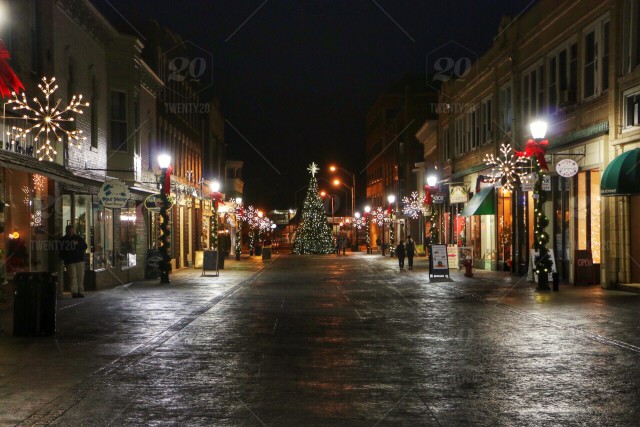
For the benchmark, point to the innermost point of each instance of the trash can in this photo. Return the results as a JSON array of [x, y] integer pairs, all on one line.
[[258, 250], [266, 252], [34, 304]]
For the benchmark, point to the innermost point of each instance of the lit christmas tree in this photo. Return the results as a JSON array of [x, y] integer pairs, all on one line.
[[313, 235]]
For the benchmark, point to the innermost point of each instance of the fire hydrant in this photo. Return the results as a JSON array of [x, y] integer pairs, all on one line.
[[468, 268]]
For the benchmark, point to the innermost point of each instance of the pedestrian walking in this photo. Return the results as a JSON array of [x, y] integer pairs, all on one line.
[[344, 245], [338, 245], [72, 249], [400, 254], [410, 248]]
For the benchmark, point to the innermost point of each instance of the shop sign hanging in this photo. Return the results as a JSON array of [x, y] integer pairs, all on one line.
[[567, 168], [114, 194], [439, 198], [546, 183], [154, 202], [458, 194]]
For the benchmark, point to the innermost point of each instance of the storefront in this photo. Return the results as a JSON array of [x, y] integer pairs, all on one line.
[[620, 187]]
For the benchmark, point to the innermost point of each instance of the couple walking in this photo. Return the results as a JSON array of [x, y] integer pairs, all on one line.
[[407, 248]]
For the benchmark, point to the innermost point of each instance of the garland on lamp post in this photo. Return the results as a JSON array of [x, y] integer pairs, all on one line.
[[534, 150], [367, 221]]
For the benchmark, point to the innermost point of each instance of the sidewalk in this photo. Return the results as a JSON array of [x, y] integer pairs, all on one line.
[[95, 331], [611, 314]]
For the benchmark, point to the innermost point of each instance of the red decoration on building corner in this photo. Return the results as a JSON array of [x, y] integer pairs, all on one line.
[[9, 82]]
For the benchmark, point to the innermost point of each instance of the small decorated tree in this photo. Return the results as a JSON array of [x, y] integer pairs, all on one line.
[[313, 235]]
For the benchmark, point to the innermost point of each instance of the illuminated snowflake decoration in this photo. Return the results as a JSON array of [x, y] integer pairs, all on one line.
[[508, 168], [359, 223], [379, 216], [48, 119], [251, 217], [412, 205], [265, 224]]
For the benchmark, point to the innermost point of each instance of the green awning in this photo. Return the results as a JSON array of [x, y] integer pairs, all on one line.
[[622, 176], [482, 203]]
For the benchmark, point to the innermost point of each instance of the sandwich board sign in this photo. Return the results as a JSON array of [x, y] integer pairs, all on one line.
[[438, 261]]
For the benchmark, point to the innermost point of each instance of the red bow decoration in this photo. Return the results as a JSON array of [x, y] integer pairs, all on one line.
[[535, 148], [217, 197], [9, 82], [427, 196], [167, 180]]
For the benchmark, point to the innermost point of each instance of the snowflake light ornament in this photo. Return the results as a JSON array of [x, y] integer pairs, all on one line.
[[359, 223], [412, 205], [508, 169], [48, 118], [379, 216]]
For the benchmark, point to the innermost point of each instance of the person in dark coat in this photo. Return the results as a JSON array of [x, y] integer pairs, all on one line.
[[72, 249], [410, 248], [400, 254]]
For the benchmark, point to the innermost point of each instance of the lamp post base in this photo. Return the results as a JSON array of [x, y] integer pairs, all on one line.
[[164, 277], [543, 282]]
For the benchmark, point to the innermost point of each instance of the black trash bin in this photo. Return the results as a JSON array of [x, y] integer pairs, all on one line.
[[34, 304]]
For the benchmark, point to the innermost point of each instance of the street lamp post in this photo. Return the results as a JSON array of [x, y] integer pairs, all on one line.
[[215, 242], [367, 219], [391, 199], [238, 227], [357, 216], [543, 264], [432, 186], [353, 185], [337, 182], [164, 161]]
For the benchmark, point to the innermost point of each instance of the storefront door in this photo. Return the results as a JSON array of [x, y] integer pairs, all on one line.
[[634, 265]]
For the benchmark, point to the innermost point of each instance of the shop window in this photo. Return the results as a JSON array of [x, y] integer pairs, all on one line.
[[26, 208], [588, 213], [101, 242], [504, 229], [128, 238]]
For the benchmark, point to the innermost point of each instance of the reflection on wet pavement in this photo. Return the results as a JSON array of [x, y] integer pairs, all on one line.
[[318, 340]]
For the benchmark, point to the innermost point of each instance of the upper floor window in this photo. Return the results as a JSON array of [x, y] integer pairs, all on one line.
[[631, 108], [506, 110], [595, 66], [631, 35], [532, 92], [563, 76], [446, 146], [459, 138], [485, 112], [118, 118]]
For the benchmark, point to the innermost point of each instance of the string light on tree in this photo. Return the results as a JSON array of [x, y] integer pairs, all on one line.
[[508, 168], [48, 118], [313, 235]]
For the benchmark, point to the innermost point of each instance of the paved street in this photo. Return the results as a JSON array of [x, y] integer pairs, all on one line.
[[327, 340]]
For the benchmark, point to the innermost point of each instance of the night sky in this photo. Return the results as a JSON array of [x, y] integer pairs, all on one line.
[[297, 78]]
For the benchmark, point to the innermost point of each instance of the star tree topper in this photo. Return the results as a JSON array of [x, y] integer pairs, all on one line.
[[313, 168]]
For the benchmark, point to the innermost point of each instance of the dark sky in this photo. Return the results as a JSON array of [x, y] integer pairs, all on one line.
[[296, 78]]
